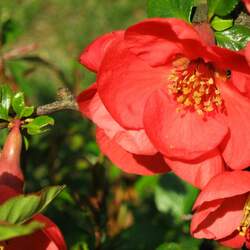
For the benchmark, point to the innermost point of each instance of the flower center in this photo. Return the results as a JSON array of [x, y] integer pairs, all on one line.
[[244, 228], [192, 84]]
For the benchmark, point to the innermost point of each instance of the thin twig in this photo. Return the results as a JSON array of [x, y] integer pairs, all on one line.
[[19, 51], [65, 101]]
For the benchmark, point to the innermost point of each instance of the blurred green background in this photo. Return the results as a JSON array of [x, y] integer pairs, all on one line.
[[102, 208]]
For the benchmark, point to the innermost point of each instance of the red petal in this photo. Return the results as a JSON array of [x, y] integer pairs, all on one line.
[[36, 241], [241, 82], [6, 193], [134, 141], [52, 232], [224, 220], [237, 149], [124, 84], [247, 49], [158, 40], [221, 186], [247, 3], [229, 59], [234, 240], [49, 238], [92, 56], [84, 100], [130, 163], [200, 215], [198, 172], [183, 136]]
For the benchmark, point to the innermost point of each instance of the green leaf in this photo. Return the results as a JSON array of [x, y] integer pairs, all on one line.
[[39, 125], [28, 111], [18, 103], [170, 195], [19, 107], [8, 231], [3, 114], [234, 38], [6, 97], [220, 24], [220, 7], [169, 246], [171, 8], [21, 208]]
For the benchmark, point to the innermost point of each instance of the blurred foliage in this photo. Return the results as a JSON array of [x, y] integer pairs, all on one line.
[[101, 208]]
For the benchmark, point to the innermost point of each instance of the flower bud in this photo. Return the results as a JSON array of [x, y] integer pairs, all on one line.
[[10, 171]]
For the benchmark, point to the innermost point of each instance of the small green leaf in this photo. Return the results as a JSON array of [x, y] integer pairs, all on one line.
[[21, 208], [6, 97], [220, 7], [39, 125], [234, 38], [9, 231], [18, 103], [19, 107], [3, 114], [27, 111], [171, 8], [220, 24]]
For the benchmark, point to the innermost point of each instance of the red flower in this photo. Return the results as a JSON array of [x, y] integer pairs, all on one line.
[[129, 149], [161, 78], [11, 184], [222, 210], [247, 3]]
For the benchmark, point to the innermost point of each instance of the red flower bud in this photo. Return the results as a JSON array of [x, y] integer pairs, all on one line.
[[10, 171]]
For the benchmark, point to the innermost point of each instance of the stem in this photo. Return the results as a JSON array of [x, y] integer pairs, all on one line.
[[65, 101]]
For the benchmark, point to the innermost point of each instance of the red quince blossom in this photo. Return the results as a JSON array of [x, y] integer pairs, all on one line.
[[160, 77], [11, 184], [222, 210], [247, 4], [129, 149]]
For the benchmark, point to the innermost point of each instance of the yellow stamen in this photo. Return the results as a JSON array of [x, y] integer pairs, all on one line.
[[245, 222]]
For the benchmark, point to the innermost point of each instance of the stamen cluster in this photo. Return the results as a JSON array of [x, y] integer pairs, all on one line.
[[245, 223], [192, 83]]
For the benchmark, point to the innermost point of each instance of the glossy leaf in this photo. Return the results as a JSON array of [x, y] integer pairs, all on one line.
[[6, 97], [8, 231], [18, 103], [221, 7], [19, 107], [220, 24], [234, 38], [23, 207], [171, 8], [5, 103]]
